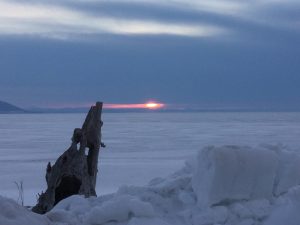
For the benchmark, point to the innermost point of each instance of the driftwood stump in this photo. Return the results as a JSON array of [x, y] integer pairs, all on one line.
[[75, 172]]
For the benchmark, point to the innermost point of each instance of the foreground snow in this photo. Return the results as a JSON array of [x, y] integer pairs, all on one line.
[[230, 185]]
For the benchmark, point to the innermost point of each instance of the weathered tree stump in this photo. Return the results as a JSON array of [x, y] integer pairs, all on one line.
[[74, 172]]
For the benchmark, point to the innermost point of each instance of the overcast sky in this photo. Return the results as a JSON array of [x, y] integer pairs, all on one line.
[[198, 52]]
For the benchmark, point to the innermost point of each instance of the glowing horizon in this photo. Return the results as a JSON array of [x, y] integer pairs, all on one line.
[[148, 105]]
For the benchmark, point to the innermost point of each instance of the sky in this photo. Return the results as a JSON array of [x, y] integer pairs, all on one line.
[[200, 53]]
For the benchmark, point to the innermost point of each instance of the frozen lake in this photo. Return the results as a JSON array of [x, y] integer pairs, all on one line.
[[140, 146]]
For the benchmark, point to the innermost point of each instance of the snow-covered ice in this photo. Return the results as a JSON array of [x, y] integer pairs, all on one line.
[[228, 174], [240, 188], [140, 146]]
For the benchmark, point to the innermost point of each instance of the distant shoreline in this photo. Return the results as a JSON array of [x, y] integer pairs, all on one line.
[[7, 108], [153, 111]]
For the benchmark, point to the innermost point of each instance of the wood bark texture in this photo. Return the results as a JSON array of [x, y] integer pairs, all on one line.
[[75, 171]]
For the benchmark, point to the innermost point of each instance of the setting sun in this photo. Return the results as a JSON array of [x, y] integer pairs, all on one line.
[[153, 105], [149, 105]]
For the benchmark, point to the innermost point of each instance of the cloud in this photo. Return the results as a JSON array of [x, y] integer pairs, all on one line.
[[258, 12], [67, 19], [250, 9], [62, 22], [226, 7]]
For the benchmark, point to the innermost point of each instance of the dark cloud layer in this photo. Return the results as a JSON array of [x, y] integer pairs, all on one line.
[[255, 62]]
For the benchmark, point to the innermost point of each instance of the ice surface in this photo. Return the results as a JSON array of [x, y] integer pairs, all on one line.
[[287, 172], [140, 146], [231, 173], [175, 200]]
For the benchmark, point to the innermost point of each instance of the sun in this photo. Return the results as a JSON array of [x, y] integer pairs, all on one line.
[[153, 105], [148, 105]]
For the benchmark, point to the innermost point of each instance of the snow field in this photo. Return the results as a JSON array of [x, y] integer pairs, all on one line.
[[228, 185]]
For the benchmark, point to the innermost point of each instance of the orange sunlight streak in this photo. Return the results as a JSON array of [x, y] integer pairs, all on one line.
[[148, 105]]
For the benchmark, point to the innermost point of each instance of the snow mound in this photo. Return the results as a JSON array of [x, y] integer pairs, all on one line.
[[101, 211], [229, 185], [13, 214], [231, 173], [286, 209], [287, 171]]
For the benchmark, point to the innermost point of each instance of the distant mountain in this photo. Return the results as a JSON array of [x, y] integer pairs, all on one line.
[[9, 108]]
